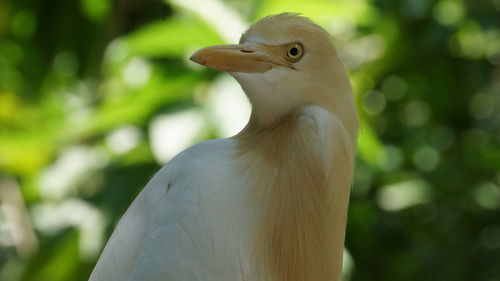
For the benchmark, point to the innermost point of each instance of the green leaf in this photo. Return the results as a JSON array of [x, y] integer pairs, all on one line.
[[369, 146], [360, 11], [171, 38], [137, 106]]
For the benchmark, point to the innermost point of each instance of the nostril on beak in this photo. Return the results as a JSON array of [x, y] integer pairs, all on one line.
[[246, 51]]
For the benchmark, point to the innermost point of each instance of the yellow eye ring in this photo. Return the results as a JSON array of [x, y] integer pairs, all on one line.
[[294, 51]]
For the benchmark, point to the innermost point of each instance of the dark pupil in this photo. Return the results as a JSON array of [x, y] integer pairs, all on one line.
[[294, 51]]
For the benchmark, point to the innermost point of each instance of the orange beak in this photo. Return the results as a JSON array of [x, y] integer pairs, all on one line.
[[249, 58]]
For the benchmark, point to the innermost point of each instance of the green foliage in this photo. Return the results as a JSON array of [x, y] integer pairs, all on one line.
[[95, 95]]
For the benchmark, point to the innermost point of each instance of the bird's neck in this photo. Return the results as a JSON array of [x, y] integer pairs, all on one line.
[[273, 105], [301, 223]]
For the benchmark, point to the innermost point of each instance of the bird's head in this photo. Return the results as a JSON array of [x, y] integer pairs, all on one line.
[[282, 62]]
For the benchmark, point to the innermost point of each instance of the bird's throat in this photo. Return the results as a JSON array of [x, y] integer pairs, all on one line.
[[271, 104]]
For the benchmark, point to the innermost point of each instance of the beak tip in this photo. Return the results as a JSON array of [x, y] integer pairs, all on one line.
[[197, 59]]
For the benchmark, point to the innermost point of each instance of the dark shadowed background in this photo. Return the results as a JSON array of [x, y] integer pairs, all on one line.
[[96, 95]]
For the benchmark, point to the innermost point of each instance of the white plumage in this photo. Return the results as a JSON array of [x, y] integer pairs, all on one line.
[[268, 204], [187, 224]]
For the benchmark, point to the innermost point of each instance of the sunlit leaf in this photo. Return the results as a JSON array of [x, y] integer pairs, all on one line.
[[370, 147], [322, 10]]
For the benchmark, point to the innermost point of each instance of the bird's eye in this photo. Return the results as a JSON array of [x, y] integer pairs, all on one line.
[[294, 52]]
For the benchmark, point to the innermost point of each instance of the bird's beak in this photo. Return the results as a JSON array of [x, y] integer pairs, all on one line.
[[249, 58]]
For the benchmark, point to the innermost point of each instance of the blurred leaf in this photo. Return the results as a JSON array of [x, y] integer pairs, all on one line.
[[95, 10], [172, 37], [370, 147], [139, 105], [360, 11], [24, 153], [58, 262]]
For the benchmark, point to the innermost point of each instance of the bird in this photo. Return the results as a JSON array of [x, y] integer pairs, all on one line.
[[268, 204]]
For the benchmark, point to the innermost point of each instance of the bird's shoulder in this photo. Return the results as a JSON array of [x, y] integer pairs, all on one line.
[[318, 117], [327, 133]]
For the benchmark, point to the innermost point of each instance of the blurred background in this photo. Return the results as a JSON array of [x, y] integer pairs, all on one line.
[[96, 95]]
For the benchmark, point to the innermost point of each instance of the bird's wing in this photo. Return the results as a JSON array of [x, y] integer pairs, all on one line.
[[184, 225]]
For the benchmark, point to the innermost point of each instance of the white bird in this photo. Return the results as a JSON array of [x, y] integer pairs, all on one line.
[[268, 204]]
